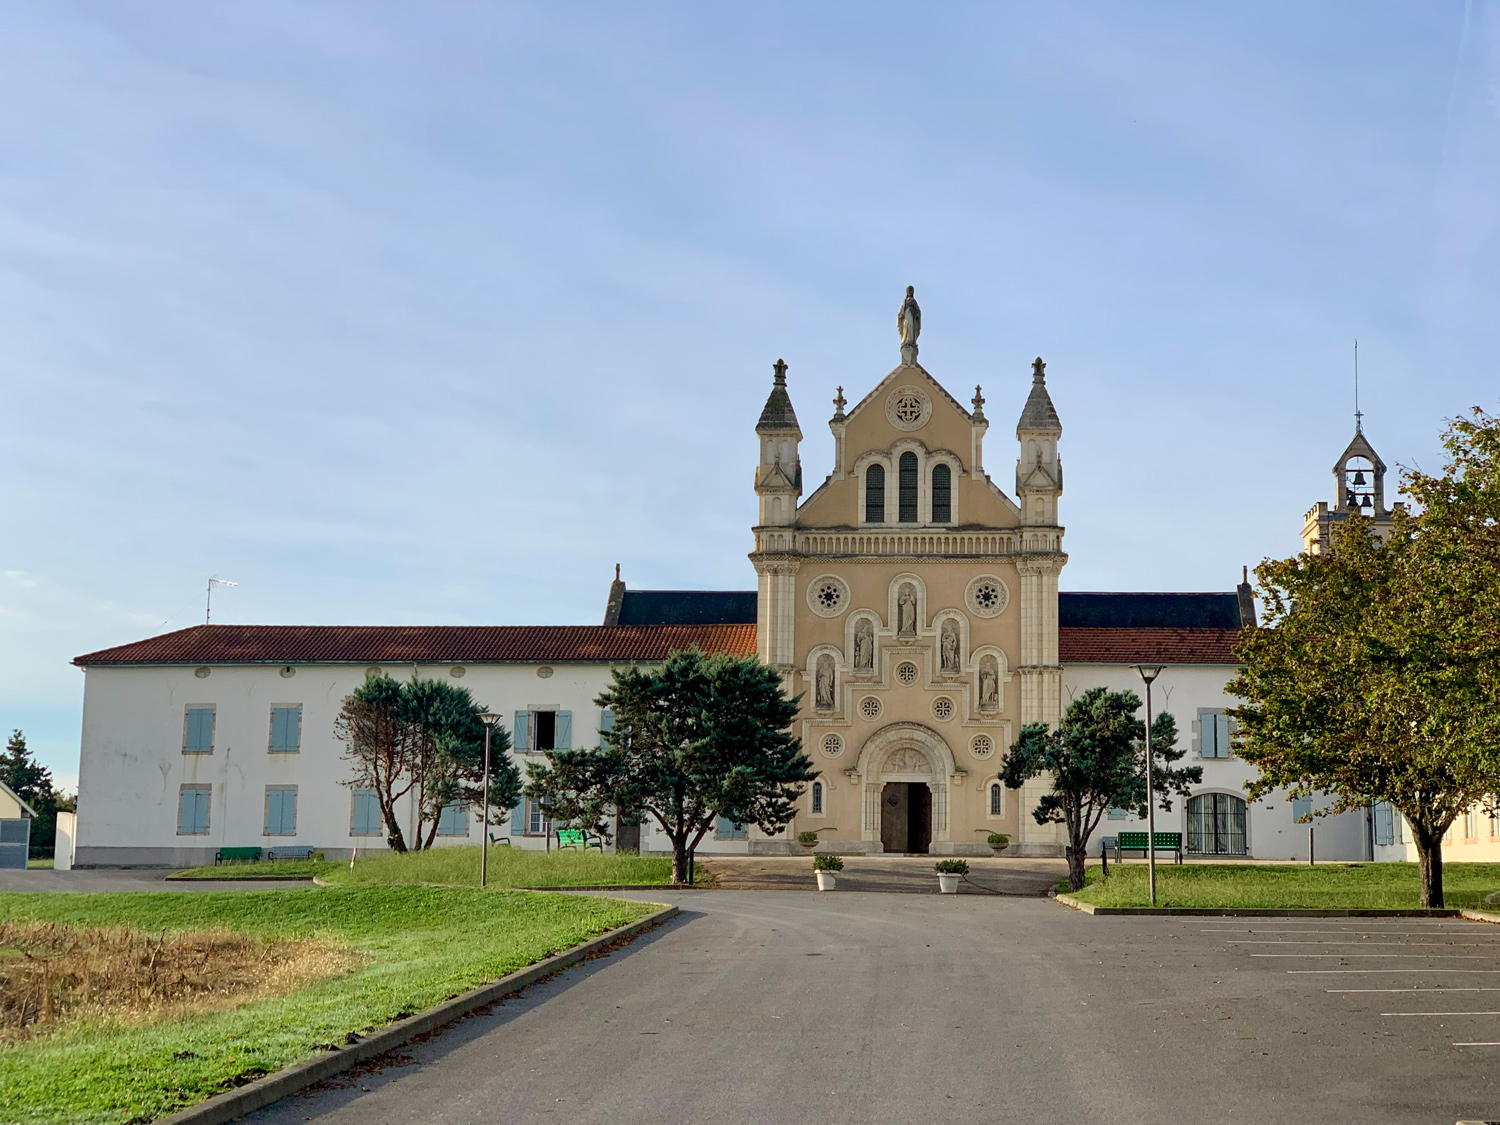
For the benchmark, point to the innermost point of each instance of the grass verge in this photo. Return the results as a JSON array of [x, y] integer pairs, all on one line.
[[418, 945], [459, 867], [1372, 886]]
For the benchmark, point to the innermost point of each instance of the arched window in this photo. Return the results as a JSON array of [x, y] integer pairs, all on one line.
[[942, 494], [997, 799], [1216, 824], [817, 796], [906, 488], [875, 494]]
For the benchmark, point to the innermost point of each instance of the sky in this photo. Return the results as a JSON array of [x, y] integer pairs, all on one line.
[[400, 313]]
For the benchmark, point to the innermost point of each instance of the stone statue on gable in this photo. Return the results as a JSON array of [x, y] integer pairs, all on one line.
[[909, 325]]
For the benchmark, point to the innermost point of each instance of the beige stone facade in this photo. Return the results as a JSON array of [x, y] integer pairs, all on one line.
[[912, 603]]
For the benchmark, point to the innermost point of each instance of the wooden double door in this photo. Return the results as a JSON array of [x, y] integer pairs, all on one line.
[[906, 817]]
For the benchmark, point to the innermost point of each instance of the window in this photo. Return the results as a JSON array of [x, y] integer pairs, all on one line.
[[1215, 728], [365, 816], [729, 830], [1495, 821], [942, 494], [1301, 806], [526, 819], [817, 796], [1385, 828], [536, 731], [906, 488], [453, 820], [875, 494], [281, 810], [1216, 824], [606, 720], [997, 799], [286, 729], [544, 730], [192, 810], [1118, 814], [1471, 824], [198, 731]]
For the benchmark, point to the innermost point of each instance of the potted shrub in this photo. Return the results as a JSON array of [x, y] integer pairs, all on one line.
[[999, 841], [950, 871], [824, 867], [808, 840]]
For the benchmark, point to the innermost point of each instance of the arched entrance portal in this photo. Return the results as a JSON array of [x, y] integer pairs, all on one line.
[[906, 817]]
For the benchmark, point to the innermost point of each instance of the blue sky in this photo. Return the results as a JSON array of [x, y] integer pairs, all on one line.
[[432, 313]]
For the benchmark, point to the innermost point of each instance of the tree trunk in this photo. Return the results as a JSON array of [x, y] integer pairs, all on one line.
[[679, 860], [1429, 864], [1076, 858]]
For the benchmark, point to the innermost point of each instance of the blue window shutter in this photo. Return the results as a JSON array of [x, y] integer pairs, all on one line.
[[518, 819], [563, 737], [289, 810], [606, 720], [1223, 732], [186, 811], [294, 728], [199, 734], [200, 810], [521, 733]]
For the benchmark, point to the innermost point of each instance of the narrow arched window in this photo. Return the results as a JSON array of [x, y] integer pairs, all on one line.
[[997, 800], [906, 488], [875, 494], [942, 494], [817, 797]]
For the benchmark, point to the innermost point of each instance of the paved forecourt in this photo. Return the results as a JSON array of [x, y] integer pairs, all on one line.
[[861, 1007]]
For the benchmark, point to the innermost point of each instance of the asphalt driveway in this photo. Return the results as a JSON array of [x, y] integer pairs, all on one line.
[[854, 1007]]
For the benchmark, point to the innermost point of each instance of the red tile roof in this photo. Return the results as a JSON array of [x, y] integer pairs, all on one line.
[[1146, 646], [424, 644]]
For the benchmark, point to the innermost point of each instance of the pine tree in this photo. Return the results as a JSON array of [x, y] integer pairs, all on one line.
[[32, 782]]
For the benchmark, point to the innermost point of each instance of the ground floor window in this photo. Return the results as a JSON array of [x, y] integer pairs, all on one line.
[[281, 810], [1385, 824], [453, 820], [192, 810], [365, 817], [817, 796], [1216, 824], [997, 799], [729, 830]]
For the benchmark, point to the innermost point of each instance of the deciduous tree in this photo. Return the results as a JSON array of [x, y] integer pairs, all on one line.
[[1375, 674], [700, 738], [1097, 761]]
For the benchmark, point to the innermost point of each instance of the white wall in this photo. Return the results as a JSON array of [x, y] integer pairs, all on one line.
[[132, 764], [1270, 830]]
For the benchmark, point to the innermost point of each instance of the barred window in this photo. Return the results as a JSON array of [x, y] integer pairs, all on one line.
[[906, 494], [942, 494], [875, 494]]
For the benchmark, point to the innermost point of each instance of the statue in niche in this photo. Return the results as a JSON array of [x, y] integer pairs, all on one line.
[[823, 683], [948, 647], [906, 610], [989, 684], [864, 645]]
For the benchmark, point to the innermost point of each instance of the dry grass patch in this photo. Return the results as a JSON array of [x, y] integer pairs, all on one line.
[[52, 972]]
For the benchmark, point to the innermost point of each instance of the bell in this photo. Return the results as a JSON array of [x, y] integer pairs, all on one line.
[[1365, 503], [1359, 478]]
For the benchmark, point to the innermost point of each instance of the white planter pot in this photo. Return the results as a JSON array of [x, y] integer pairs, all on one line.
[[948, 884], [826, 880]]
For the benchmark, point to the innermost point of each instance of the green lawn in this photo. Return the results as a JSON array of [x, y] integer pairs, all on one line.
[[39, 864], [459, 867], [422, 944], [1257, 886]]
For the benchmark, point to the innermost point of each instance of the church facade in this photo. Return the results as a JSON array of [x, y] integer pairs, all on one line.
[[909, 599]]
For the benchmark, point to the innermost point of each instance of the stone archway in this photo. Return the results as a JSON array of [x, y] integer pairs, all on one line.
[[914, 758]]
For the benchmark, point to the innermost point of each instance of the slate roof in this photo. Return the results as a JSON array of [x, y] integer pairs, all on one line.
[[1148, 611], [1146, 646], [778, 413], [688, 607], [423, 644]]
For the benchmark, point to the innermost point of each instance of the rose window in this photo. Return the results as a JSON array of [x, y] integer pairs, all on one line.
[[828, 595], [982, 746], [833, 745], [908, 408], [870, 707], [987, 595], [942, 708], [907, 673]]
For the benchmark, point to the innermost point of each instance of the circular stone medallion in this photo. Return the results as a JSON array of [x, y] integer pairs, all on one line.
[[833, 745], [987, 596], [828, 595], [908, 408]]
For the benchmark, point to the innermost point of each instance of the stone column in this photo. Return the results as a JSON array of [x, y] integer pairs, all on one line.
[[1041, 684]]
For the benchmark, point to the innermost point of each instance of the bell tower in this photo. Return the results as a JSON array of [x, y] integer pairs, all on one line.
[[1359, 493], [778, 484]]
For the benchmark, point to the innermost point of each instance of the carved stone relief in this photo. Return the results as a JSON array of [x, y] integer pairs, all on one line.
[[989, 684], [864, 646], [948, 647], [823, 683]]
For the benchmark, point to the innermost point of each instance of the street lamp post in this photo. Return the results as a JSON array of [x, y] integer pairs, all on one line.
[[489, 718], [1149, 672]]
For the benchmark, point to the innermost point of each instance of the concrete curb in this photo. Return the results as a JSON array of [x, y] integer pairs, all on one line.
[[1255, 912], [237, 1103], [1480, 916], [239, 879]]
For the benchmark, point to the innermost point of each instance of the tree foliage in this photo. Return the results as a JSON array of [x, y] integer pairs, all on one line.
[[1375, 674], [423, 739], [699, 738], [32, 782], [1097, 761]]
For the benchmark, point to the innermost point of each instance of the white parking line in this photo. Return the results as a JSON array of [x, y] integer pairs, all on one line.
[[1416, 988], [1440, 1013], [1308, 972], [1489, 1044], [1412, 956], [1437, 944]]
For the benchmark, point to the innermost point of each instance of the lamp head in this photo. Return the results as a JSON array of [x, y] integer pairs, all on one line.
[[489, 718], [1149, 672]]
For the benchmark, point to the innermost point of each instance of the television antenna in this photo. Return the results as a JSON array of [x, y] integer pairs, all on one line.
[[208, 605]]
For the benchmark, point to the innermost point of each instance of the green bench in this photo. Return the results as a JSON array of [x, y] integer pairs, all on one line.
[[1136, 842], [238, 855], [290, 853], [579, 838]]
